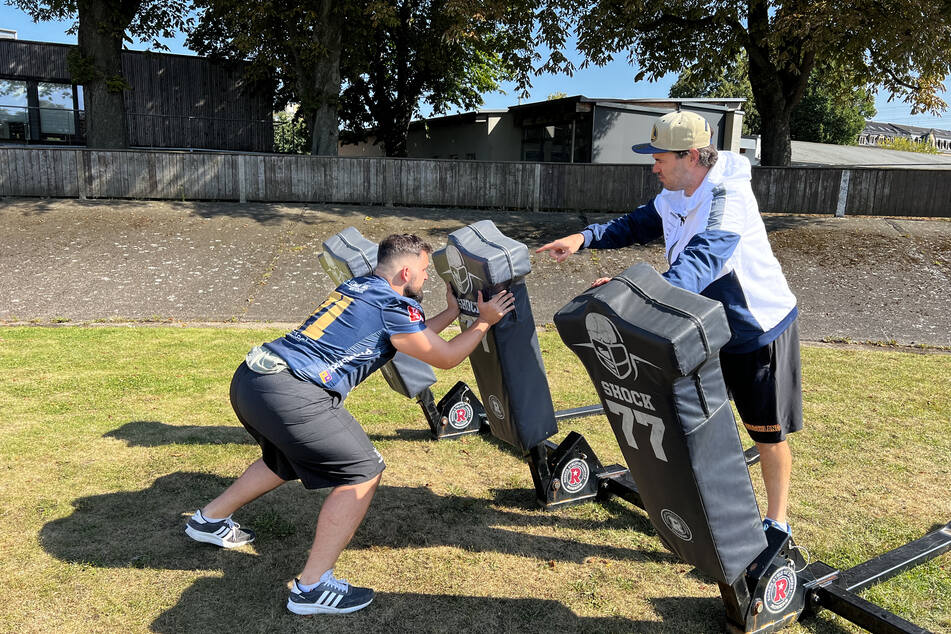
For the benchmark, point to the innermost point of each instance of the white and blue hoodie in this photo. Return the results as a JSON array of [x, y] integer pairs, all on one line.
[[716, 245]]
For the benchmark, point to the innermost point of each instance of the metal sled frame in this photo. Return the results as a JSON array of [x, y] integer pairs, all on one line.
[[822, 586]]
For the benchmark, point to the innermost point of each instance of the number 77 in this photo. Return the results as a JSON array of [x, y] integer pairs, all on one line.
[[629, 416]]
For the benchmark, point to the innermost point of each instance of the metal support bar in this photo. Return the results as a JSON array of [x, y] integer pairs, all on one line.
[[579, 412], [896, 561], [854, 608], [751, 455], [617, 480]]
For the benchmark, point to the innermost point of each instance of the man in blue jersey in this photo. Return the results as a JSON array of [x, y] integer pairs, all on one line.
[[716, 246], [288, 394]]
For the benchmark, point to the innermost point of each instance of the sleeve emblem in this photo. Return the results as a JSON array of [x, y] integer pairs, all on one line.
[[414, 314]]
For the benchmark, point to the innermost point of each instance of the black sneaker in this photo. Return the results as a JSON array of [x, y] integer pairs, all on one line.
[[226, 533], [334, 596]]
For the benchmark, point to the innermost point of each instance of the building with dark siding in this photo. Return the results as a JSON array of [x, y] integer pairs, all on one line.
[[174, 101], [568, 130]]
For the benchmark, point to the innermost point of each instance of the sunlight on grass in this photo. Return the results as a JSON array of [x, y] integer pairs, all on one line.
[[113, 434]]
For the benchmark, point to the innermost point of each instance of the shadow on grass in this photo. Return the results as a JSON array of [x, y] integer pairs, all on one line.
[[105, 530], [246, 588], [153, 433]]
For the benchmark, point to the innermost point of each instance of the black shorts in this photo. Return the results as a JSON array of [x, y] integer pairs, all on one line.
[[303, 431], [766, 386]]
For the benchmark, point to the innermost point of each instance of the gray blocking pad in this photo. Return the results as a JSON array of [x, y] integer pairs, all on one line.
[[652, 351], [507, 364], [347, 255]]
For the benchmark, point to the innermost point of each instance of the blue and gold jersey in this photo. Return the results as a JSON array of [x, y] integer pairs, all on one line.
[[348, 336]]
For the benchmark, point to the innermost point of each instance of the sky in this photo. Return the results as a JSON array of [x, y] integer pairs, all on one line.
[[615, 80]]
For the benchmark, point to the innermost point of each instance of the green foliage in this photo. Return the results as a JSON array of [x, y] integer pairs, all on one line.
[[903, 46], [417, 50], [145, 20], [908, 145], [116, 84], [82, 69], [830, 111], [290, 134], [822, 117], [393, 57], [730, 80]]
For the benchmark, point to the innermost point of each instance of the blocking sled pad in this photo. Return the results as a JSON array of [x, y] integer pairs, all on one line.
[[507, 364], [347, 255], [652, 351]]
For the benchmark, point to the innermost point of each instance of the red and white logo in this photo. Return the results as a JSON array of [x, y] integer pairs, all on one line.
[[460, 415], [780, 589], [414, 313], [575, 475]]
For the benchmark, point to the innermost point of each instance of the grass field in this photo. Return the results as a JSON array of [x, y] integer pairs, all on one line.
[[112, 435]]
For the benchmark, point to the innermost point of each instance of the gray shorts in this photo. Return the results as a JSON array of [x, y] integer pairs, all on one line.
[[766, 386], [303, 431]]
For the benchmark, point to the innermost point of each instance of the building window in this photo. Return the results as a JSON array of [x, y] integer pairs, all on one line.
[[41, 112], [57, 111], [547, 143], [14, 111]]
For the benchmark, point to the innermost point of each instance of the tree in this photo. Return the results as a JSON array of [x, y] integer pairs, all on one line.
[[826, 117], [394, 55], [296, 44], [103, 26], [828, 113], [416, 51], [731, 80], [902, 46]]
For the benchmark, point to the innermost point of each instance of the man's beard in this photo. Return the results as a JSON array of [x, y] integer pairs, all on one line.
[[417, 294]]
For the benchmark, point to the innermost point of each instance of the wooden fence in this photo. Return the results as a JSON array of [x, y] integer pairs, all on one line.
[[72, 173]]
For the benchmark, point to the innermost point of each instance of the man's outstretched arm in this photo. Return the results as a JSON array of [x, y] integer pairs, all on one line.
[[638, 227], [428, 346]]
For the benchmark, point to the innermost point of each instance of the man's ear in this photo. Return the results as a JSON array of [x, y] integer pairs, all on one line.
[[695, 155]]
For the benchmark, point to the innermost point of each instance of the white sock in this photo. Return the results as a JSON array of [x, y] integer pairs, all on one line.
[[202, 519], [307, 587]]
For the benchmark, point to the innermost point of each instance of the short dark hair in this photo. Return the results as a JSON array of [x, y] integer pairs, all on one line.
[[400, 244], [707, 155]]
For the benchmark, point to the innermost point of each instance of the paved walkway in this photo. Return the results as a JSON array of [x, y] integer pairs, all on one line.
[[860, 278]]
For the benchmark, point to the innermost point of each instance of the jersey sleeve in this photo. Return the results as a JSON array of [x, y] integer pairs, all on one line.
[[404, 316], [640, 226]]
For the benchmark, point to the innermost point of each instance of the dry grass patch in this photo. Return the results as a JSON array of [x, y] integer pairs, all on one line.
[[111, 434]]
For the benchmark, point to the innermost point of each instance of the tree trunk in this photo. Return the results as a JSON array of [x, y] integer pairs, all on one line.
[[100, 73], [776, 147], [394, 135], [322, 84], [774, 110]]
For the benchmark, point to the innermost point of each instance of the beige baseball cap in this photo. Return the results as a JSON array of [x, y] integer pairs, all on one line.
[[676, 132]]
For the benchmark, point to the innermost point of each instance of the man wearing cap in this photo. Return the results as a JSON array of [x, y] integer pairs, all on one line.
[[716, 246]]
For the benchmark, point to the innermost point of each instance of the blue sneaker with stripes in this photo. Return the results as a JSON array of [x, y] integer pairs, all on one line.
[[330, 596], [224, 533]]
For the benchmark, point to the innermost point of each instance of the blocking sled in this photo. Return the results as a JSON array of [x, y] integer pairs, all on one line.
[[652, 351], [349, 254]]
